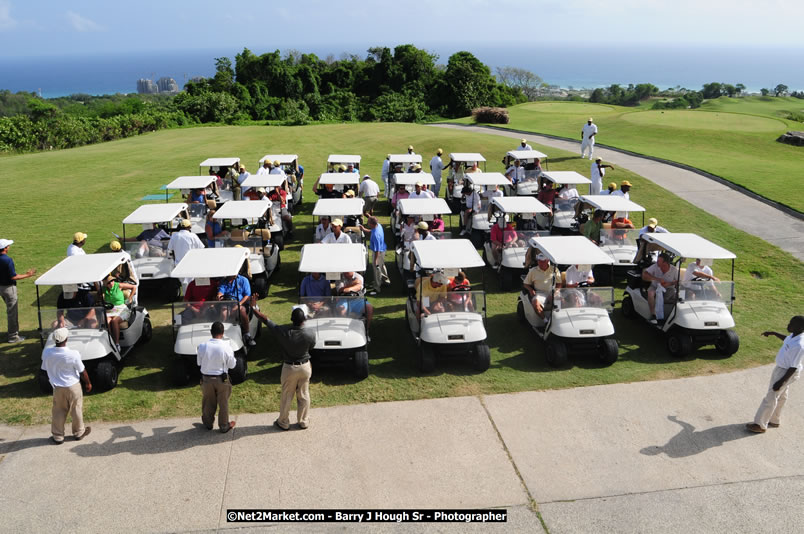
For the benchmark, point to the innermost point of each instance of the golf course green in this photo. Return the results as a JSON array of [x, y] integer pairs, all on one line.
[[51, 195]]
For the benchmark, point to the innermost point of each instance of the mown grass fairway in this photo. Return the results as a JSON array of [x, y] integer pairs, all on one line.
[[730, 137], [52, 195]]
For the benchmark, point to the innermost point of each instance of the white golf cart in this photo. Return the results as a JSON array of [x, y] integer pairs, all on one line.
[[577, 320], [421, 209], [289, 163], [336, 160], [347, 209], [455, 179], [515, 243], [90, 333], [455, 324], [274, 222], [701, 313], [339, 322], [198, 211], [400, 163], [246, 221], [529, 186], [341, 181], [151, 258], [563, 219], [481, 182], [190, 330], [619, 243], [221, 166]]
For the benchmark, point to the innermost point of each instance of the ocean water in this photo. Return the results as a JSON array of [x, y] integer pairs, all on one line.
[[664, 66]]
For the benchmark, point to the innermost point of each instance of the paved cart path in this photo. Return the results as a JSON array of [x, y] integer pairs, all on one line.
[[732, 206], [665, 456]]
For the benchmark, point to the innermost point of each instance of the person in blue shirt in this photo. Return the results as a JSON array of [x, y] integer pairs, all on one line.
[[378, 248], [237, 288], [8, 289], [197, 196], [315, 285]]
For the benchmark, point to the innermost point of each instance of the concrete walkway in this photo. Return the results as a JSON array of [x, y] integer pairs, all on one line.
[[738, 209], [664, 456]]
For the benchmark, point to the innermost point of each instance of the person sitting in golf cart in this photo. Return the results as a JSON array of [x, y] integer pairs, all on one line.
[[663, 276], [591, 228], [547, 194], [151, 244], [113, 295], [407, 231], [400, 194], [317, 286], [574, 277], [351, 284], [422, 232], [76, 310], [197, 300], [471, 206], [515, 173], [323, 229], [457, 300], [237, 288], [214, 230], [337, 235], [696, 273], [280, 195], [197, 196], [502, 235], [437, 224], [455, 176], [419, 191], [431, 293], [539, 284]]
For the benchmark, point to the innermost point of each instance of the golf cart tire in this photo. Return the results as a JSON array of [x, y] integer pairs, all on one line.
[[482, 357], [237, 375], [556, 352], [180, 372], [279, 240], [627, 307], [105, 375], [679, 343], [44, 383], [609, 351], [147, 330], [361, 364], [506, 279], [426, 358], [520, 312], [728, 342]]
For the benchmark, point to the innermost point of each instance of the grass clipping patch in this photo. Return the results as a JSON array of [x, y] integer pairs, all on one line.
[[490, 115]]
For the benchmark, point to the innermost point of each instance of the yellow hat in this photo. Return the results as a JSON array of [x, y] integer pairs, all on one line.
[[410, 147], [590, 119], [417, 167], [276, 163], [115, 246], [388, 156], [439, 151], [185, 223], [349, 194], [422, 226], [337, 222], [79, 236], [342, 167], [419, 184], [523, 141], [613, 185], [626, 182], [652, 222], [238, 246]]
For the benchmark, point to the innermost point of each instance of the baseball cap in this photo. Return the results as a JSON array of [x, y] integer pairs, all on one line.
[[652, 222], [523, 141], [541, 257], [185, 223], [4, 243], [115, 246], [598, 158], [337, 222], [60, 335], [79, 236], [422, 226], [613, 185], [419, 184], [260, 190], [626, 182], [439, 151], [590, 119], [410, 147], [439, 278], [349, 194], [366, 177], [276, 163]]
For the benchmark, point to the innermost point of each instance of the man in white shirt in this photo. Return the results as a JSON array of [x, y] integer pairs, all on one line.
[[410, 150], [588, 133], [576, 275], [436, 166], [698, 280], [215, 358], [472, 206], [241, 177], [76, 248], [65, 372], [419, 191], [652, 227], [515, 173], [523, 145], [645, 248], [337, 236], [369, 191], [181, 243], [323, 228], [787, 370], [277, 168], [265, 169], [597, 172], [568, 191], [386, 169], [663, 276]]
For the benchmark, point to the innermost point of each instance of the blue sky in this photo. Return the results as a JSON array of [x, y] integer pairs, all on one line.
[[48, 27]]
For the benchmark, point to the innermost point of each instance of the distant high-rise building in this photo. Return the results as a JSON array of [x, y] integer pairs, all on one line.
[[146, 86], [167, 85]]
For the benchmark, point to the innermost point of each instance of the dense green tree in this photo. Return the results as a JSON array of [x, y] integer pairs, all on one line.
[[780, 90]]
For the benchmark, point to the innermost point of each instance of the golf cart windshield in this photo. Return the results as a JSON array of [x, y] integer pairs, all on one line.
[[197, 210], [225, 311], [348, 306], [585, 297], [89, 318], [565, 204], [456, 301], [707, 291], [619, 237], [253, 244], [147, 249], [519, 238]]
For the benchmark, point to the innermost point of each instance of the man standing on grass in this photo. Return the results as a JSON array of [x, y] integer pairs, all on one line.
[[597, 172], [378, 248], [8, 289], [369, 191], [588, 133], [436, 166], [215, 358], [787, 371], [66, 371]]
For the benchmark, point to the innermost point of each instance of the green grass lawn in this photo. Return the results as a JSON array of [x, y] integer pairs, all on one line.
[[730, 137], [54, 194]]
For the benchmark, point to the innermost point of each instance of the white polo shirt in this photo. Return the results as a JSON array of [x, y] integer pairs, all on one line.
[[526, 147], [791, 353], [330, 238], [182, 242], [597, 173], [516, 174], [369, 188], [63, 366], [589, 129], [215, 357], [436, 166], [262, 170], [75, 250], [576, 276], [423, 194], [692, 267]]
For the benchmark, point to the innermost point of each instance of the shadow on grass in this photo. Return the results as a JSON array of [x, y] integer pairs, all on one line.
[[688, 442]]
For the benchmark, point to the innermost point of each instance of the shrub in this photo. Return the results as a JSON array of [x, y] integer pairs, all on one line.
[[490, 115]]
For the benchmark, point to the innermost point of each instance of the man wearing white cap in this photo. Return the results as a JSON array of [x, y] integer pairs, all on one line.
[[436, 166], [419, 191], [523, 145], [76, 248], [369, 191], [539, 284], [431, 292], [337, 235], [66, 371], [8, 289], [588, 133], [597, 172], [181, 243]]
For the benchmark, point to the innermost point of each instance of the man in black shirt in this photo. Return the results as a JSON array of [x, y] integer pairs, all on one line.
[[296, 343]]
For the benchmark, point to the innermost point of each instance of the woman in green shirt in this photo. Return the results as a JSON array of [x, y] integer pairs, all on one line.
[[113, 294]]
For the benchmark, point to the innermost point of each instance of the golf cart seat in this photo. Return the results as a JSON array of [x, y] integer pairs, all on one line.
[[238, 234], [264, 233], [211, 204]]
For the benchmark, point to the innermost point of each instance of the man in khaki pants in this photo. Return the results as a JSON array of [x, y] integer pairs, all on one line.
[[215, 358], [64, 367], [296, 343]]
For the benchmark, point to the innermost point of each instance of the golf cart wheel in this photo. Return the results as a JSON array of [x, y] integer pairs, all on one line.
[[172, 289], [278, 263], [105, 375], [609, 351], [679, 343], [147, 330], [44, 383], [260, 285], [506, 279], [728, 343], [279, 240], [426, 358], [238, 374], [361, 364], [180, 372], [520, 312], [482, 357], [556, 352], [628, 307]]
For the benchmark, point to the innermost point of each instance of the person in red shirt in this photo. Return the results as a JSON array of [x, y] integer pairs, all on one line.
[[456, 298], [281, 196], [547, 194], [197, 298], [502, 234]]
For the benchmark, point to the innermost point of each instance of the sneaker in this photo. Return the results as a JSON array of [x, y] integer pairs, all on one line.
[[653, 320], [87, 430], [373, 293], [17, 339], [755, 428], [229, 427], [55, 441], [117, 346], [280, 427], [303, 426], [773, 425], [250, 342]]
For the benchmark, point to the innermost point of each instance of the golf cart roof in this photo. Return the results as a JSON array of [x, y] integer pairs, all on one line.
[[264, 180], [423, 206], [566, 177], [243, 209], [446, 254], [155, 213], [611, 203], [282, 158], [211, 263], [340, 178], [466, 156], [191, 182], [410, 178], [338, 206], [332, 258], [82, 269], [219, 162], [343, 158], [519, 205], [487, 178], [526, 154], [689, 246], [405, 158], [572, 250]]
